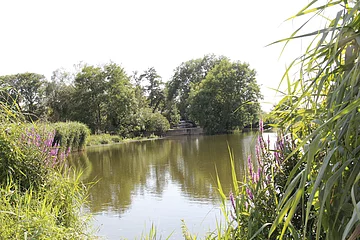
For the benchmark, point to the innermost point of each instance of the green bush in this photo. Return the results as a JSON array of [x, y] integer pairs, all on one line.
[[26, 155], [71, 135], [97, 139], [49, 212], [38, 199], [115, 139], [147, 121], [104, 141]]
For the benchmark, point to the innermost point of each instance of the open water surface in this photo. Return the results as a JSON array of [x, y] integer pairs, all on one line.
[[161, 182]]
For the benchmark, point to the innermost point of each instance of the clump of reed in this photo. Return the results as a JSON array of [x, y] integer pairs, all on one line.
[[39, 198], [307, 186], [50, 211]]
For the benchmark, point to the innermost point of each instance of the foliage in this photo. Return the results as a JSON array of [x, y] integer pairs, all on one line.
[[100, 139], [38, 198], [151, 122], [323, 117], [154, 88], [171, 113], [153, 234], [27, 154], [89, 97], [226, 99], [28, 150], [27, 90], [313, 176], [59, 93], [70, 135], [185, 77], [102, 98], [51, 211], [139, 90], [252, 199], [97, 139], [120, 101]]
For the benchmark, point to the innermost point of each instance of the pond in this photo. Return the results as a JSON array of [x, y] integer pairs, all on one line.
[[161, 182]]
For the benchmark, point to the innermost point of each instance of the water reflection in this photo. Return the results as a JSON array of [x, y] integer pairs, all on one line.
[[150, 169]]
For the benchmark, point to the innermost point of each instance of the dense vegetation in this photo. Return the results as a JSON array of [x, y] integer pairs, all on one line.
[[39, 197], [226, 99], [108, 100], [306, 186]]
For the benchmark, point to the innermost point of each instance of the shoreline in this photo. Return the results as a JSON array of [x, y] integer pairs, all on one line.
[[124, 141]]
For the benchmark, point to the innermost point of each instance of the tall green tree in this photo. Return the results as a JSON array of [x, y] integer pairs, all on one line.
[[170, 110], [137, 80], [27, 89], [104, 99], [187, 75], [154, 89], [59, 93], [120, 100], [89, 96], [226, 99]]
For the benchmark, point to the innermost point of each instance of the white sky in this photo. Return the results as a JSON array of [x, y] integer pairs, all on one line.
[[41, 36]]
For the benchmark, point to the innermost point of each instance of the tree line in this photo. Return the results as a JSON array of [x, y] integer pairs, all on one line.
[[218, 94]]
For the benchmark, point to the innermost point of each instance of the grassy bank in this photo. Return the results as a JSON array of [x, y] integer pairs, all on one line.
[[40, 198], [51, 211], [101, 139]]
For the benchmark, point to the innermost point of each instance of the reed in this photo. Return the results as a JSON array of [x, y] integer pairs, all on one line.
[[322, 115], [308, 184], [39, 199]]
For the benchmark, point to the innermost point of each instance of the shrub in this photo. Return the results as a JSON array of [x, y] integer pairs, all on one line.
[[104, 141], [27, 154], [253, 198], [97, 139], [71, 135], [38, 199], [49, 212], [147, 121], [115, 139]]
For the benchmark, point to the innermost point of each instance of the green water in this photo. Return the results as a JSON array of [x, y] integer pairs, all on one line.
[[160, 182]]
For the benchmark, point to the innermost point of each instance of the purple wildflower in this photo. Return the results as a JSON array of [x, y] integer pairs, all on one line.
[[276, 155], [261, 126], [249, 193], [232, 200], [43, 142], [257, 151], [258, 174], [281, 144], [250, 165], [68, 151]]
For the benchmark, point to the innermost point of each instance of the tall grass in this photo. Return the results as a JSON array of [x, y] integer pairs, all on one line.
[[253, 199], [323, 117], [38, 198], [71, 135], [52, 211], [308, 183]]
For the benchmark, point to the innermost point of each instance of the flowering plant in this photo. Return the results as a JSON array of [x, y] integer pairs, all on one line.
[[255, 198], [43, 140]]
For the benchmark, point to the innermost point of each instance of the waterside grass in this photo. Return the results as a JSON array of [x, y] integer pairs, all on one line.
[[101, 139], [52, 211], [40, 198], [308, 183]]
